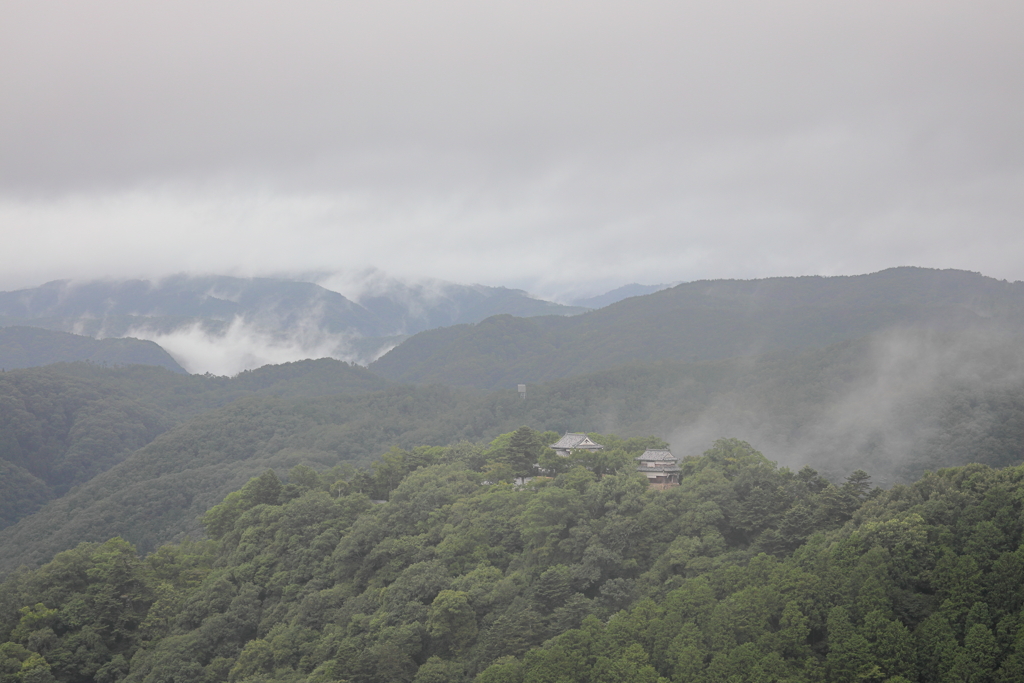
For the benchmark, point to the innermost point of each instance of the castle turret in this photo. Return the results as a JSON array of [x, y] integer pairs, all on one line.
[[660, 467]]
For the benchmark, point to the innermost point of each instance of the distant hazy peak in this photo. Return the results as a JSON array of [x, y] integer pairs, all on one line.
[[226, 324], [618, 294]]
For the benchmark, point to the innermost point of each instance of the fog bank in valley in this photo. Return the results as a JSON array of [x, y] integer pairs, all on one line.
[[904, 401], [244, 345]]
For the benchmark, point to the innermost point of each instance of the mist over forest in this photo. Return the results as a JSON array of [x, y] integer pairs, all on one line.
[[224, 325], [847, 504], [890, 372]]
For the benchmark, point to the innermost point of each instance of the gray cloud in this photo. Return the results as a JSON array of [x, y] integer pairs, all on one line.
[[244, 346], [910, 399], [552, 146]]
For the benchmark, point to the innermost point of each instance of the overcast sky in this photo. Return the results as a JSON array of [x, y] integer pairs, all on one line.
[[556, 146]]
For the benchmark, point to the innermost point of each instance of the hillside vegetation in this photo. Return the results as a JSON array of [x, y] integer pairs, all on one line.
[[746, 571], [160, 491], [62, 425], [28, 347], [58, 431], [315, 521], [896, 405]]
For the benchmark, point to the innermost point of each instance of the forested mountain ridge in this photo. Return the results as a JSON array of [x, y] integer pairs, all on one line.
[[896, 405], [161, 490], [744, 572], [58, 431], [923, 585], [705, 320], [63, 424], [693, 321], [186, 396], [28, 347]]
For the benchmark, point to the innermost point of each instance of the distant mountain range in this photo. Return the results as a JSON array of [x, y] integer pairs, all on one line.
[[706, 320], [113, 309], [300, 319], [484, 337], [618, 294]]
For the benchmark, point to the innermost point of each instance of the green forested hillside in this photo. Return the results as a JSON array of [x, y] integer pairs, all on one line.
[[703, 321], [744, 572], [925, 584], [58, 431], [186, 396], [27, 347], [894, 405], [160, 491], [63, 424]]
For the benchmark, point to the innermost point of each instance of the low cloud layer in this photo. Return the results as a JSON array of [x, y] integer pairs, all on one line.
[[245, 346], [909, 399], [562, 148]]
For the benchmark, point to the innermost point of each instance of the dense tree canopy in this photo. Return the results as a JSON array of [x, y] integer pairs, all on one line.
[[746, 571]]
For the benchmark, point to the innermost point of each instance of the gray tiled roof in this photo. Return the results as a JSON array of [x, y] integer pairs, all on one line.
[[658, 455], [571, 440]]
